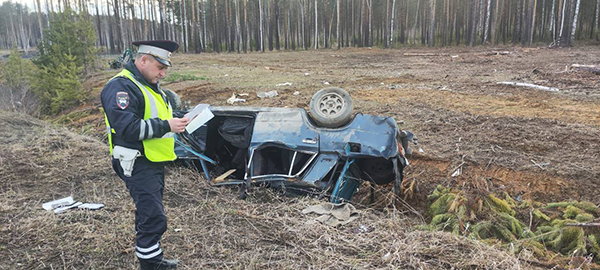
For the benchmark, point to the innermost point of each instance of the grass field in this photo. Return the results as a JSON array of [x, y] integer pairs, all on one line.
[[537, 144]]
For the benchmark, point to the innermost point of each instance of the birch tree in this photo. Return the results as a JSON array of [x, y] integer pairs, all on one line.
[[392, 22], [431, 39], [596, 21], [316, 26], [487, 22], [39, 15], [260, 10], [532, 31], [552, 25], [339, 41], [119, 24], [575, 16]]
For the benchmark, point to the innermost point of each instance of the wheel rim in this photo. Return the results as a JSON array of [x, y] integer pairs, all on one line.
[[331, 104]]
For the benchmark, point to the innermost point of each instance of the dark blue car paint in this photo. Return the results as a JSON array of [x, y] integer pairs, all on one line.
[[366, 136]]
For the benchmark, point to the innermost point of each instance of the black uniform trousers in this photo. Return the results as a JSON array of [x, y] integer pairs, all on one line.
[[146, 186]]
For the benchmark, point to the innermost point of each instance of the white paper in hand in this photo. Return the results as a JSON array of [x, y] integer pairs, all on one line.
[[199, 116]]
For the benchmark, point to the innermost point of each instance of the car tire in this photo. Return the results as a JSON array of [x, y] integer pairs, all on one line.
[[331, 107], [380, 170], [173, 99]]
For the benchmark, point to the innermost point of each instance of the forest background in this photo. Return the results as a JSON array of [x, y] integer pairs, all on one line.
[[259, 25]]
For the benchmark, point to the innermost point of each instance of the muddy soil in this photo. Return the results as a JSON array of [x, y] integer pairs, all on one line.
[[527, 142]]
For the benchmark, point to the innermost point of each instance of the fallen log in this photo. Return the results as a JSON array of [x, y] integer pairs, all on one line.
[[490, 53], [584, 224], [529, 85], [590, 68], [426, 54]]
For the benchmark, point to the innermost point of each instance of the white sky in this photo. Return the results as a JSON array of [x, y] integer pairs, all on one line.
[[29, 3], [91, 5]]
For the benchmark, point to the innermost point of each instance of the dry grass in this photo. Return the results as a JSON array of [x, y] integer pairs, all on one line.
[[209, 228]]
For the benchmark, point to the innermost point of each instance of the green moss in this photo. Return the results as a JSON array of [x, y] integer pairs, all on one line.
[[571, 241], [501, 226], [558, 204], [572, 211], [559, 223], [511, 223], [594, 245], [588, 207], [584, 217], [510, 200], [178, 77], [440, 219], [503, 233], [536, 247], [441, 205], [444, 222], [525, 204], [499, 205], [544, 229], [481, 230], [438, 192], [539, 215], [461, 213], [548, 235]]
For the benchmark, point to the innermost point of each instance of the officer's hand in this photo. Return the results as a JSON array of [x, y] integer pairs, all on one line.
[[178, 124]]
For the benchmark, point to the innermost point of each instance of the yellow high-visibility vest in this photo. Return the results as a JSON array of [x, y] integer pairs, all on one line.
[[155, 149]]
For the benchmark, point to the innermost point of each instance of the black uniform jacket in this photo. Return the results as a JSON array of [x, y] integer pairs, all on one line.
[[123, 103]]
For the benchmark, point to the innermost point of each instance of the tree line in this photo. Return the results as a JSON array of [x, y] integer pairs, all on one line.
[[259, 25], [50, 82]]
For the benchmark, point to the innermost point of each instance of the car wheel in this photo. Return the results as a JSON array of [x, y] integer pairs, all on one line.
[[380, 170], [331, 107], [173, 99]]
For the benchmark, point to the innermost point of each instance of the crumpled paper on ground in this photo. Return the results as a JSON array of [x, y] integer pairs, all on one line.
[[332, 214]]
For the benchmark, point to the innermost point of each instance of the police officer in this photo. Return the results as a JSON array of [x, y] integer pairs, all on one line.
[[140, 127]]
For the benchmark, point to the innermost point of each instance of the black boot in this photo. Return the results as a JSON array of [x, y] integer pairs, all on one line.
[[163, 264]]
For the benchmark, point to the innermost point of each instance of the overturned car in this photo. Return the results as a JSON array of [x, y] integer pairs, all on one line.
[[329, 151]]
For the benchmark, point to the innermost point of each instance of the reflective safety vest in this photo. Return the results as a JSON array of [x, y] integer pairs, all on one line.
[[155, 149]]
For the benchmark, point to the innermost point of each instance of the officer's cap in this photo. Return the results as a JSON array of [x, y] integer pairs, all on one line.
[[160, 49]]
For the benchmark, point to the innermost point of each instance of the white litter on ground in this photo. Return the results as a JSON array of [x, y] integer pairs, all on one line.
[[64, 204], [269, 94], [234, 99]]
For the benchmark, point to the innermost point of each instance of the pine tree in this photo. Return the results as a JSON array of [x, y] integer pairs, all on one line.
[[58, 86], [17, 74], [69, 34], [69, 51]]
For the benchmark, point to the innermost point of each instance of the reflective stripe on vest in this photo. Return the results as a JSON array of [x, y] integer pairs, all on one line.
[[155, 149]]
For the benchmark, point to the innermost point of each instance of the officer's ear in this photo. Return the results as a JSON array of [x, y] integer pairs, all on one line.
[[143, 59]]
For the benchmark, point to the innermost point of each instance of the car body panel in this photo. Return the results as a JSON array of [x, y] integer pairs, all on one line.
[[323, 165], [311, 153], [286, 127]]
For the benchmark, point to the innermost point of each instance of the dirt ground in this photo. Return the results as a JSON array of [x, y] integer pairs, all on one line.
[[209, 227], [530, 143], [523, 141]]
